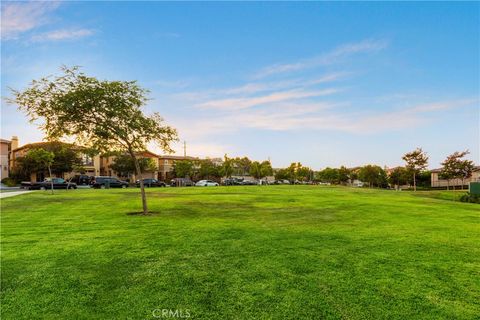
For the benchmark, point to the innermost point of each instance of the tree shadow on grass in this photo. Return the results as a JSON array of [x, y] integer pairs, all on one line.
[[141, 214]]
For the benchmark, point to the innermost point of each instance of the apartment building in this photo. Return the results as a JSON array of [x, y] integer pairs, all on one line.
[[91, 165]]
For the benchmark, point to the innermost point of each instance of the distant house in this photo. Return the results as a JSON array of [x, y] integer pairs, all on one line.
[[437, 182], [91, 165], [166, 164]]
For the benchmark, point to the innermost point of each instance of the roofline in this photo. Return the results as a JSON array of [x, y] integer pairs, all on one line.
[[35, 144], [475, 168], [177, 157]]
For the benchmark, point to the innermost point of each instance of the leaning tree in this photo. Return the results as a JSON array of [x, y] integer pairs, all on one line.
[[103, 115]]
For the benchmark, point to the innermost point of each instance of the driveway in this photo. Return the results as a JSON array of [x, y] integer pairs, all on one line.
[[12, 193]]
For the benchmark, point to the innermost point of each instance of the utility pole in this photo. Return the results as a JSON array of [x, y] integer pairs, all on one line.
[[184, 148]]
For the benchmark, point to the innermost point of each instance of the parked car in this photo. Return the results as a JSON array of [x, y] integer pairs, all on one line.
[[58, 183], [249, 183], [108, 182], [181, 182], [151, 183], [206, 183], [233, 182], [81, 179]]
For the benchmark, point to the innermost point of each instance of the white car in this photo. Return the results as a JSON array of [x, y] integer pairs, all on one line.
[[206, 183]]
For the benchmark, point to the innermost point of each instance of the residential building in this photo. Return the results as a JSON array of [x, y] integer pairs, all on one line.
[[91, 165], [166, 164], [437, 182], [6, 148]]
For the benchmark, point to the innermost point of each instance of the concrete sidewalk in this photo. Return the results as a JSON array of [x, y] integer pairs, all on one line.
[[12, 193]]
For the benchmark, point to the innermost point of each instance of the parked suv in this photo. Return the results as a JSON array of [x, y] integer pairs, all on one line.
[[108, 182], [151, 183], [81, 179]]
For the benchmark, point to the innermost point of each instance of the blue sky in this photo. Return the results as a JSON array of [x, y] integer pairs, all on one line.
[[326, 84]]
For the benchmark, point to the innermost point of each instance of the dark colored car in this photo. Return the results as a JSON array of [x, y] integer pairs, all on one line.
[[151, 183], [58, 183], [108, 182], [81, 179], [249, 183], [181, 182]]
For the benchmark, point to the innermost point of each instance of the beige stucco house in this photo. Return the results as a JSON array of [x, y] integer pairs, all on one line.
[[91, 165], [437, 182], [5, 149]]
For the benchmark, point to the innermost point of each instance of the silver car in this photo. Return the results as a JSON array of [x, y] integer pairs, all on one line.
[[206, 183]]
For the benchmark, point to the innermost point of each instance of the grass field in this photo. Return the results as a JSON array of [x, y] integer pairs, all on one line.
[[264, 252]]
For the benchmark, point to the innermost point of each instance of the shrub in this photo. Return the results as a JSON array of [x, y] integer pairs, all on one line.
[[468, 197], [9, 182]]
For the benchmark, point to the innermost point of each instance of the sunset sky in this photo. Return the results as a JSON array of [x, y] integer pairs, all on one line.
[[325, 84]]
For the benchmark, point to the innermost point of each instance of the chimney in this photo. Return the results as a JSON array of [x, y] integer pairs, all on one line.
[[14, 142]]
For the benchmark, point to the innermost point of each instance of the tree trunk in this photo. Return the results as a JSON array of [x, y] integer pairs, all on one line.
[[142, 186], [414, 181], [51, 180]]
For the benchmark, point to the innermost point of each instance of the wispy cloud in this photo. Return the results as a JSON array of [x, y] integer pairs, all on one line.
[[318, 116], [60, 35], [306, 103], [444, 105], [252, 88], [244, 103], [20, 17], [328, 58]]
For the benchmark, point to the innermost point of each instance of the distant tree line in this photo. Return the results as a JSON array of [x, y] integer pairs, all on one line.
[[211, 170], [414, 173]]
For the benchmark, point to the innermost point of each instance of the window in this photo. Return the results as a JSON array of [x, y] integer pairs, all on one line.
[[87, 160]]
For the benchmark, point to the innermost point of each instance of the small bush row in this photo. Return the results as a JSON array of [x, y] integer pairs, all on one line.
[[472, 198]]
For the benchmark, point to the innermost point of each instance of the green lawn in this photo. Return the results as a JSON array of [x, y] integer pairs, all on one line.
[[264, 252]]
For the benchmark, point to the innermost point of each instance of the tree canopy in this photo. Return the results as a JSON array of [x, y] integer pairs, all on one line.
[[183, 168], [415, 160], [455, 167], [261, 170], [124, 165], [99, 114], [373, 175]]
